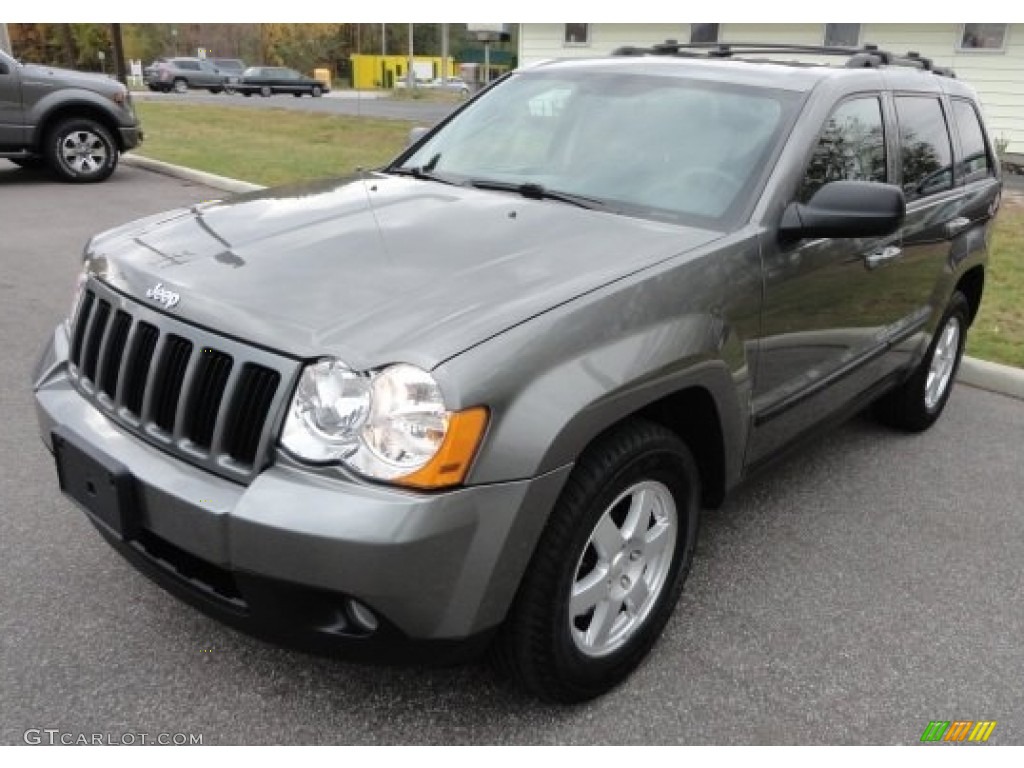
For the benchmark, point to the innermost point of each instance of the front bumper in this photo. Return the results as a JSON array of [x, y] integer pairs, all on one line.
[[284, 556], [131, 137]]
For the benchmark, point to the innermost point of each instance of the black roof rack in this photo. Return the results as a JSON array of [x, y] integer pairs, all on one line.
[[865, 56]]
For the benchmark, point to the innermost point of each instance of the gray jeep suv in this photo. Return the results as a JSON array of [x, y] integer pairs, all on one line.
[[479, 398], [76, 123]]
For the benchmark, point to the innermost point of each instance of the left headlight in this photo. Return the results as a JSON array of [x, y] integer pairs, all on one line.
[[390, 424]]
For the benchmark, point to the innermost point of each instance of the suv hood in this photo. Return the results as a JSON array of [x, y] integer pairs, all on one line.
[[378, 269]]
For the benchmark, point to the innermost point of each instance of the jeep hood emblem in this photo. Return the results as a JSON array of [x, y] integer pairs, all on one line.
[[161, 295]]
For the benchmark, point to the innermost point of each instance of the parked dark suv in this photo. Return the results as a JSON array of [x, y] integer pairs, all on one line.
[[479, 398], [76, 123]]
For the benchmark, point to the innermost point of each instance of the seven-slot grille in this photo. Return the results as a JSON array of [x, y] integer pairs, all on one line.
[[205, 398]]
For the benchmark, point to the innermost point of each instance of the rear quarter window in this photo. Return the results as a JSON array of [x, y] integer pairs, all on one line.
[[975, 158]]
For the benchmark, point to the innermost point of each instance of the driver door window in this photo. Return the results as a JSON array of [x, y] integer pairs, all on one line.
[[851, 147]]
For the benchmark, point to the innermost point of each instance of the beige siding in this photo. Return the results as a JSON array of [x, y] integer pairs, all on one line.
[[997, 76]]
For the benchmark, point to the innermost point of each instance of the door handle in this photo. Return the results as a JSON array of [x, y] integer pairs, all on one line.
[[878, 258], [957, 225]]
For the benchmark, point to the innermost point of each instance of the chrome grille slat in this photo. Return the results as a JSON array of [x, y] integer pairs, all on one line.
[[137, 364], [169, 381], [212, 371], [210, 400], [81, 326], [93, 338], [112, 354]]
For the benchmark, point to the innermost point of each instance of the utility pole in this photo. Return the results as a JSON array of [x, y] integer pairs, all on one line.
[[5, 40], [444, 54], [410, 77], [116, 39], [383, 40]]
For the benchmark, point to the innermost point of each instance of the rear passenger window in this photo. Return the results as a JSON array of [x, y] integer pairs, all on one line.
[[975, 162], [851, 147], [925, 149]]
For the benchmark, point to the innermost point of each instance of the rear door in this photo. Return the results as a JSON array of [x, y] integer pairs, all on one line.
[[12, 112], [919, 280]]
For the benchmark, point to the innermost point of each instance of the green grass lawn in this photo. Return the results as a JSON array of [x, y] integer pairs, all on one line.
[[998, 331], [275, 146], [267, 146]]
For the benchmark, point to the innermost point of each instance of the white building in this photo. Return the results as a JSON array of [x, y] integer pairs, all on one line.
[[988, 56]]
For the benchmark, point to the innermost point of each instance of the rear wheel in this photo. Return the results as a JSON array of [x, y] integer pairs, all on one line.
[[81, 150], [609, 567], [266, 91], [919, 401], [297, 94], [180, 85]]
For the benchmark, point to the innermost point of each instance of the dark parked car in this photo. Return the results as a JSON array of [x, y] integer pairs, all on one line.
[[181, 73], [267, 81], [338, 416], [76, 123]]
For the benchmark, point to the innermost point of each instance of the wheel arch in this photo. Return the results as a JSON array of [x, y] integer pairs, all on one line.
[[972, 285], [76, 109]]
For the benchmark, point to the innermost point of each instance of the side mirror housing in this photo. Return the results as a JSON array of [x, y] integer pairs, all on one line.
[[845, 209], [415, 134]]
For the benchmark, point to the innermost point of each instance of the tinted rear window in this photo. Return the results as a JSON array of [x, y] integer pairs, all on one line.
[[926, 153]]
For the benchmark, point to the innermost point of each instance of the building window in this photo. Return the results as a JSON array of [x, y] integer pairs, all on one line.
[[704, 33], [842, 35], [577, 34], [985, 37]]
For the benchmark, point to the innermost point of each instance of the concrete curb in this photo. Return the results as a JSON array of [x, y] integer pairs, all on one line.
[[191, 174], [1003, 379]]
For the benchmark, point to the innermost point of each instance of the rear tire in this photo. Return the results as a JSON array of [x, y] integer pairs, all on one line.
[[918, 402], [609, 566], [81, 150]]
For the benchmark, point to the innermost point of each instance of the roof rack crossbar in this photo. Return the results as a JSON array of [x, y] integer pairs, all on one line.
[[868, 55]]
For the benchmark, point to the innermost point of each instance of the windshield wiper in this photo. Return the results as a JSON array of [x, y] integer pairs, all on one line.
[[422, 172], [535, 191]]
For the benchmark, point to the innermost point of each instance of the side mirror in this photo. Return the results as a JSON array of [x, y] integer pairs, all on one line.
[[846, 209], [415, 134]]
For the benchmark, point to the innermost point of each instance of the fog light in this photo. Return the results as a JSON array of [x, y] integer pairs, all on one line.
[[362, 616]]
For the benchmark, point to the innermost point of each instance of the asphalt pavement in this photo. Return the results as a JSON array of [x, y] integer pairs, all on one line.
[[866, 586], [351, 103]]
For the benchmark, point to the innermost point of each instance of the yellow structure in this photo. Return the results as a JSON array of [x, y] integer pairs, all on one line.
[[373, 71]]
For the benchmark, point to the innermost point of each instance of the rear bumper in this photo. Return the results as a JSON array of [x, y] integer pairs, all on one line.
[[285, 556]]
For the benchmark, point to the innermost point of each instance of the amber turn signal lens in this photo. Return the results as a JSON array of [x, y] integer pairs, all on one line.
[[452, 461]]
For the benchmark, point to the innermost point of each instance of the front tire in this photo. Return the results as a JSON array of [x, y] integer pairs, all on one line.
[[266, 91], [81, 150], [918, 402], [316, 92], [180, 85], [609, 567]]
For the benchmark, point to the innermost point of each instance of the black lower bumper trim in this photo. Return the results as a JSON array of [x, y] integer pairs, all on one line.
[[294, 615]]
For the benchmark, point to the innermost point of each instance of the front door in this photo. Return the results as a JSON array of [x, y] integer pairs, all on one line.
[[12, 114], [828, 306]]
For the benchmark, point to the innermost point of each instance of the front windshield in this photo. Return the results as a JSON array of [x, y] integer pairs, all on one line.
[[643, 144]]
